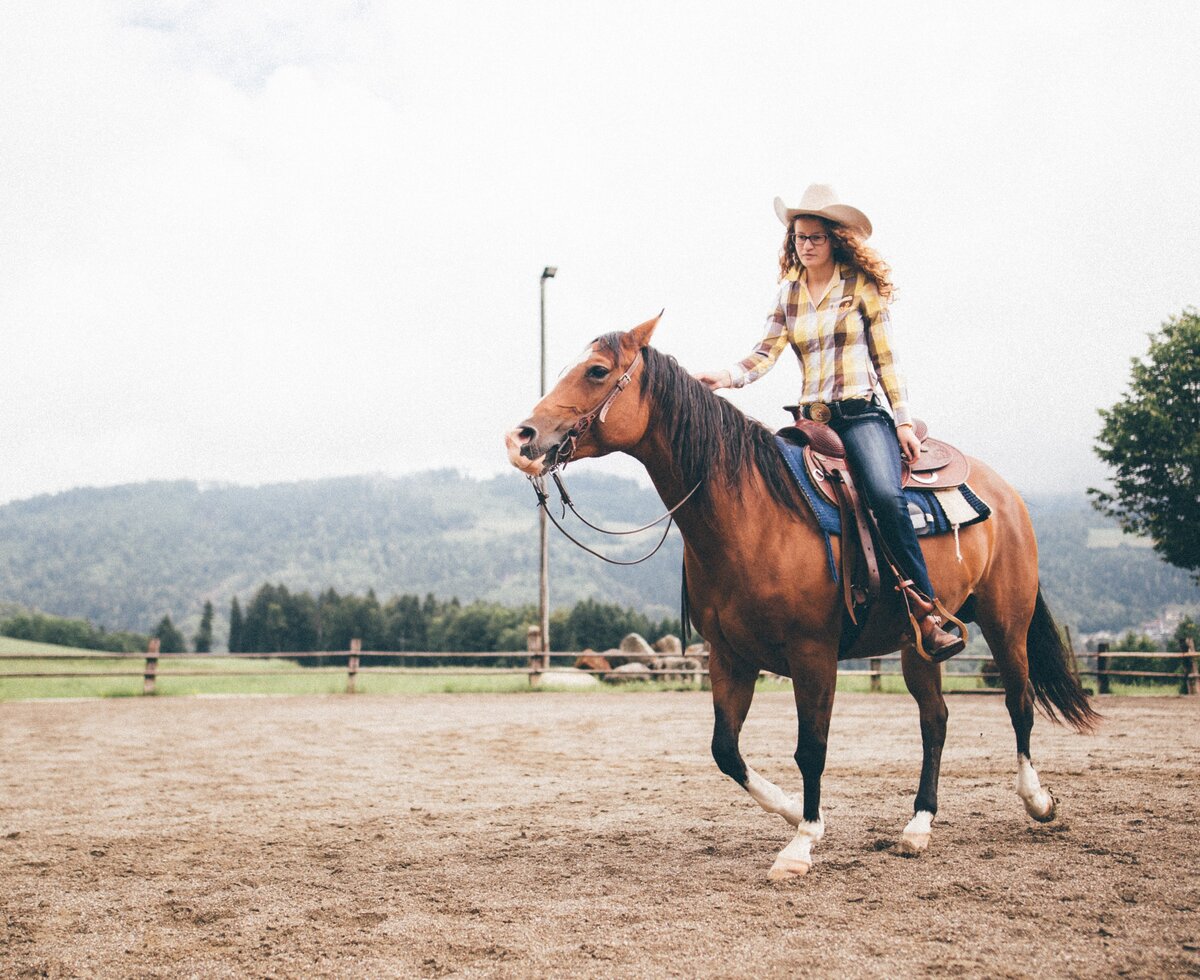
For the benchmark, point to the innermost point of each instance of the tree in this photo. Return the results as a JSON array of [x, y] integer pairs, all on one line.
[[170, 640], [235, 626], [1152, 440], [202, 641]]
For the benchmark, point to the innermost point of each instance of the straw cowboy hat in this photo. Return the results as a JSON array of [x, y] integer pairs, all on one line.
[[821, 200]]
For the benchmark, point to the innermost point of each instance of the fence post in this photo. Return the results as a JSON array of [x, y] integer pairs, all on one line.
[[352, 665], [1189, 683], [533, 644], [1101, 668], [876, 666], [150, 676]]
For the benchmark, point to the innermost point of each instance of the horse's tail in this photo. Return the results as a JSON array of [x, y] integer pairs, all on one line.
[[1052, 673]]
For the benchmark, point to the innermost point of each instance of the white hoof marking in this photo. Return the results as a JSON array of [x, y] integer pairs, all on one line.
[[795, 859], [772, 799], [1039, 804], [916, 834]]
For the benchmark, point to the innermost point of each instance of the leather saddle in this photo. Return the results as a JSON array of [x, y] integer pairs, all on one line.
[[940, 466]]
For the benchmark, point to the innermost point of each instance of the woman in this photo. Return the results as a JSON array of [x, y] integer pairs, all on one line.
[[832, 309]]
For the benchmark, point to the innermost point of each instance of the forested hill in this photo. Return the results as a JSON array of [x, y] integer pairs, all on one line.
[[125, 556]]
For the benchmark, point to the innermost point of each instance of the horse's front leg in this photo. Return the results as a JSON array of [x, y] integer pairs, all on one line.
[[814, 680], [924, 682], [732, 690]]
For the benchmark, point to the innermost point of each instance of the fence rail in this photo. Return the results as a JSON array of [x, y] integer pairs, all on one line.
[[539, 663]]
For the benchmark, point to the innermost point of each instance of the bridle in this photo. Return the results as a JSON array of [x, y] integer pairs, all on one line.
[[565, 451]]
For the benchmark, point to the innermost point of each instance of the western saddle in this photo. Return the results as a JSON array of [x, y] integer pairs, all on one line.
[[940, 466]]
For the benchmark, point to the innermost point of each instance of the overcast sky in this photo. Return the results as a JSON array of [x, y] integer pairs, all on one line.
[[259, 242]]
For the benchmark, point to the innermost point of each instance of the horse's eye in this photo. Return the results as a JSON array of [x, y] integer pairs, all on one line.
[[597, 372]]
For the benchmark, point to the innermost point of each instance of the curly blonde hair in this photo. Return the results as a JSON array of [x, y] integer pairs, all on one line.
[[848, 249]]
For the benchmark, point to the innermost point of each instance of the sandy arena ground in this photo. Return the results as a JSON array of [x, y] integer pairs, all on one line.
[[580, 835]]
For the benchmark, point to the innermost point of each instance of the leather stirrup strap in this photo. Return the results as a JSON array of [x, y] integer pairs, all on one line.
[[845, 512], [858, 533]]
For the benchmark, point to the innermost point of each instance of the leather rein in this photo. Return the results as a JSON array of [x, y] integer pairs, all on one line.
[[565, 451]]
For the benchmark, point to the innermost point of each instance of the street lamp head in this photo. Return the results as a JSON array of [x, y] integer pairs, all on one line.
[[549, 272]]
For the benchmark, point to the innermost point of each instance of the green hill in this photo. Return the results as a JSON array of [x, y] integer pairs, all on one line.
[[123, 557]]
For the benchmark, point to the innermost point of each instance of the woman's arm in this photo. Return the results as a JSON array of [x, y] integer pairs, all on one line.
[[878, 327], [760, 360]]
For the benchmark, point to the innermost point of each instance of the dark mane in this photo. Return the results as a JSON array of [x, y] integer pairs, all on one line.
[[712, 440]]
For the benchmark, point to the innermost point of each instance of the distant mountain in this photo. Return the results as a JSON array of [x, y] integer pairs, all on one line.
[[123, 557]]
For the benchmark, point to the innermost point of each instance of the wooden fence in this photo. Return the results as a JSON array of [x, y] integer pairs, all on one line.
[[538, 664]]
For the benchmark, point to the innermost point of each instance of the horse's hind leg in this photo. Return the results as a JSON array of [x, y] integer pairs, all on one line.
[[924, 682], [733, 690], [1007, 639]]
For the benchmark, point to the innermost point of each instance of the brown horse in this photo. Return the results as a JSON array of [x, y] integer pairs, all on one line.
[[759, 585]]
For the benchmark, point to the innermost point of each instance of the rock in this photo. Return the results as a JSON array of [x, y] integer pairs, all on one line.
[[566, 678], [629, 672], [593, 661], [633, 643], [669, 645], [684, 665]]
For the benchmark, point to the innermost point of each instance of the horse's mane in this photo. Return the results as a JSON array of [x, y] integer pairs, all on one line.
[[712, 439]]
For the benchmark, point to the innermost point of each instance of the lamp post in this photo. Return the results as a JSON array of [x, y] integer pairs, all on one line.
[[544, 578]]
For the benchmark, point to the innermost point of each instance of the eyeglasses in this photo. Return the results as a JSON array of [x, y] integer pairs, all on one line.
[[817, 240]]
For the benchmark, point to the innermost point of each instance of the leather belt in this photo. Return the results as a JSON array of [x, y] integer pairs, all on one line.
[[824, 411]]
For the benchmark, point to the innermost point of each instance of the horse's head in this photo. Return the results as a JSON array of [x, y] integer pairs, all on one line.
[[586, 414]]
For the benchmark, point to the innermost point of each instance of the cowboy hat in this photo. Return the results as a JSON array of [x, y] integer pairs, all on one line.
[[821, 201]]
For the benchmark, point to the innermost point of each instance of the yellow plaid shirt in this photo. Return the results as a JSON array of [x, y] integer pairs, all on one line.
[[839, 359]]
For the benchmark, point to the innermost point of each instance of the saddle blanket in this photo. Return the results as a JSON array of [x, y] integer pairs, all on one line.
[[945, 511]]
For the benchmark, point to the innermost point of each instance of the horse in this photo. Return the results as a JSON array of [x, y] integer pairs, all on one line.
[[759, 587]]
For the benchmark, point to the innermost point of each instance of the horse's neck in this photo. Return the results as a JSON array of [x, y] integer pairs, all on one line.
[[721, 521]]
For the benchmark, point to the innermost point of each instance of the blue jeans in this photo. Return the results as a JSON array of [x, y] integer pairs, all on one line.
[[874, 457]]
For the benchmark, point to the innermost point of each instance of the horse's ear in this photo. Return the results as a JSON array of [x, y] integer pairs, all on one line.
[[639, 336]]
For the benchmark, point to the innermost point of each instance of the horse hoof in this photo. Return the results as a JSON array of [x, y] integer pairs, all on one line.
[[913, 844], [783, 870], [1046, 812]]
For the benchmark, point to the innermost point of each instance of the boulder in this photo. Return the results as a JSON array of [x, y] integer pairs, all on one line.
[[684, 666], [566, 678], [669, 645], [633, 650], [629, 672], [635, 644], [593, 661]]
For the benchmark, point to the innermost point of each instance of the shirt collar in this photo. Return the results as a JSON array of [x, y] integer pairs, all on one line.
[[840, 276]]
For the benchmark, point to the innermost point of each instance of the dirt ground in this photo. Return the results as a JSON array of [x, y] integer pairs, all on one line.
[[580, 834]]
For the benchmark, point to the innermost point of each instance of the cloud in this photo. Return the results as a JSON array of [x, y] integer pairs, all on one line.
[[263, 242]]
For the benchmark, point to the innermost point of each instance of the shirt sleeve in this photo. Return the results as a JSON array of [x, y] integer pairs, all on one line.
[[878, 326], [763, 357]]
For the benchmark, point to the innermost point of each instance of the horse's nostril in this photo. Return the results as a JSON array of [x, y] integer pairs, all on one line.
[[526, 434]]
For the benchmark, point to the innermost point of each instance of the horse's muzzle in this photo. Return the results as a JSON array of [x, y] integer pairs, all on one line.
[[523, 450]]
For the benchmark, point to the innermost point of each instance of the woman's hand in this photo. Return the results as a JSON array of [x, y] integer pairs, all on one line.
[[910, 445], [714, 379]]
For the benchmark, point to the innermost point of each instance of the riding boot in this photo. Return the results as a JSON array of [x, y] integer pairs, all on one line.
[[932, 641]]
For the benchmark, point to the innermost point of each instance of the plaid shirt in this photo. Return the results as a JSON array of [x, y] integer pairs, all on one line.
[[839, 360]]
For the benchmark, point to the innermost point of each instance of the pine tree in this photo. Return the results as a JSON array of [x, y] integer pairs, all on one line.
[[235, 627], [202, 641], [170, 640]]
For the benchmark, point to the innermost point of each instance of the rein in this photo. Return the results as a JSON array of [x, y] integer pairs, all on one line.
[[539, 485], [563, 454]]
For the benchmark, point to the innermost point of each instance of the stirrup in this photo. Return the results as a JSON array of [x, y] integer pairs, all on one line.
[[933, 606]]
